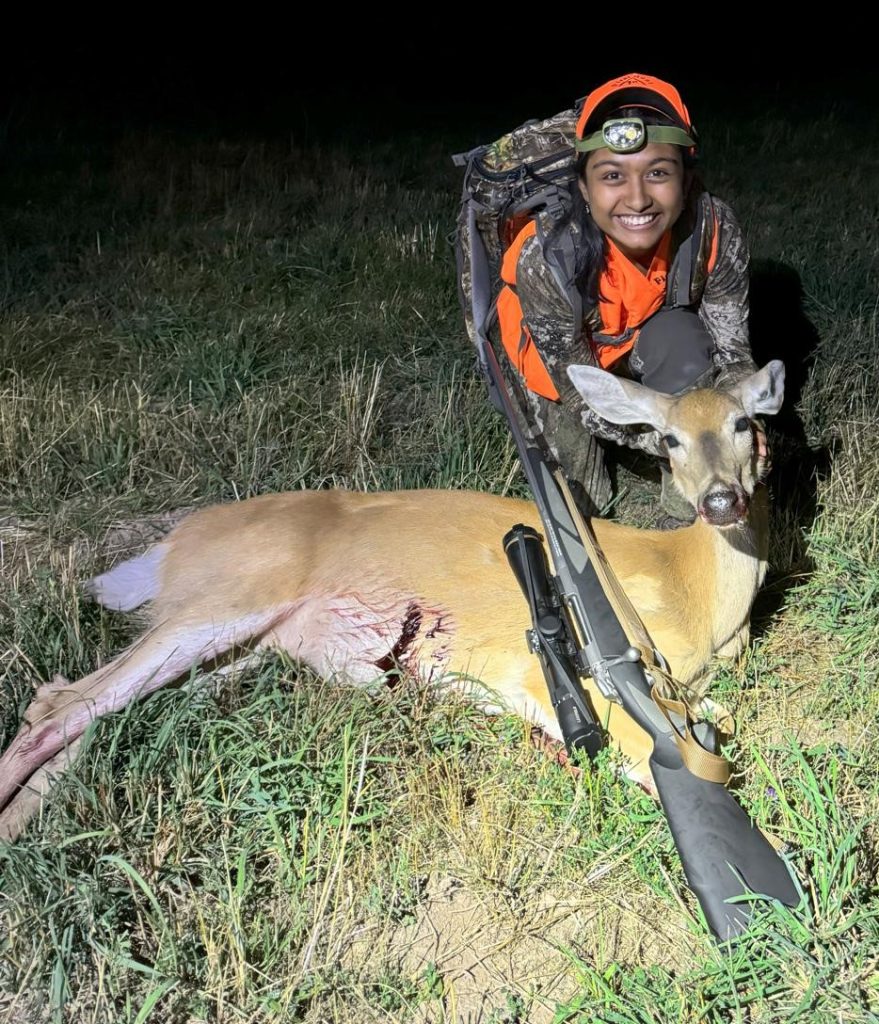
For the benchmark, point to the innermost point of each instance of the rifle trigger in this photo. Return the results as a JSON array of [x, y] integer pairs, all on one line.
[[602, 679]]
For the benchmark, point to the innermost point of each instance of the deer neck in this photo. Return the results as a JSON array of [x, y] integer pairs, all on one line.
[[739, 559]]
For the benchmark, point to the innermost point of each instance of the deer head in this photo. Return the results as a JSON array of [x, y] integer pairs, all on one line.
[[708, 433]]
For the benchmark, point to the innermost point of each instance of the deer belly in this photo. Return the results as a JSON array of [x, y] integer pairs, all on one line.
[[360, 635]]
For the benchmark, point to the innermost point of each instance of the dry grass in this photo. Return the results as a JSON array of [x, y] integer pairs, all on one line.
[[196, 322]]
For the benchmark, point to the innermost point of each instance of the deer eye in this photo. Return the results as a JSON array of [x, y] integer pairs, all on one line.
[[742, 424], [671, 441]]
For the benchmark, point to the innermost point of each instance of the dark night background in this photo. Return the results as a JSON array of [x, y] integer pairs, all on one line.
[[452, 81], [331, 79]]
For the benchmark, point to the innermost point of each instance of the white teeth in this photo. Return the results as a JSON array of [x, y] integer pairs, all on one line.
[[637, 222]]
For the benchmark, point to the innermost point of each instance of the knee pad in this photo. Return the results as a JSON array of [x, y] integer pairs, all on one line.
[[673, 352]]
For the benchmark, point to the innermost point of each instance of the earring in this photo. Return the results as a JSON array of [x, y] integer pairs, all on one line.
[[588, 207]]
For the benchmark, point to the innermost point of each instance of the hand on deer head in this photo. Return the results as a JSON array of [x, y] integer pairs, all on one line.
[[715, 458]]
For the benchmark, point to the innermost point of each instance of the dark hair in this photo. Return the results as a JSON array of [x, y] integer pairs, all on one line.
[[591, 253]]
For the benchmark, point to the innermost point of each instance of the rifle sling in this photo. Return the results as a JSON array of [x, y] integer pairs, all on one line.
[[702, 763]]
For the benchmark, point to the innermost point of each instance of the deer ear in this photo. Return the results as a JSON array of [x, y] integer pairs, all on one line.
[[618, 400], [763, 392]]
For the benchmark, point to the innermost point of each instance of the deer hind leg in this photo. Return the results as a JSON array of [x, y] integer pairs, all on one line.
[[29, 798], [61, 711]]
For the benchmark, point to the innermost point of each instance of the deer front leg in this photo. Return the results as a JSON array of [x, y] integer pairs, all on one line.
[[736, 643]]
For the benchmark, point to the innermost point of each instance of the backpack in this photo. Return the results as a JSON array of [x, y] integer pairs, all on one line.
[[528, 172]]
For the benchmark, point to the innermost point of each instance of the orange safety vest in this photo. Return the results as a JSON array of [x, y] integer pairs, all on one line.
[[632, 297]]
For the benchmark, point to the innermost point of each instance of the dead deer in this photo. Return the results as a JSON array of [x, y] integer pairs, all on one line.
[[353, 584]]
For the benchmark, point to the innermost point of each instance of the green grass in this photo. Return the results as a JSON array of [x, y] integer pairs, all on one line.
[[185, 321]]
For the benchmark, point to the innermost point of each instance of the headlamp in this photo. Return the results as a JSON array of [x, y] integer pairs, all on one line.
[[629, 134]]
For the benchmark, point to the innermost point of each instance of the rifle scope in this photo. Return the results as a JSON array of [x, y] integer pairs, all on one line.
[[527, 558]]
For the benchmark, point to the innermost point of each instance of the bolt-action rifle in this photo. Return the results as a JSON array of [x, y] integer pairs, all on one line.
[[728, 862], [576, 632]]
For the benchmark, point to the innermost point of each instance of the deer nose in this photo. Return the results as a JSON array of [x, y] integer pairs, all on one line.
[[719, 503], [723, 505]]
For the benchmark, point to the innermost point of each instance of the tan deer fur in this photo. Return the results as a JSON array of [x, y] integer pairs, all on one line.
[[355, 583]]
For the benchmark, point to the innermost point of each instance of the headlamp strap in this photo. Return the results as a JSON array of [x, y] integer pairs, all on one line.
[[630, 134]]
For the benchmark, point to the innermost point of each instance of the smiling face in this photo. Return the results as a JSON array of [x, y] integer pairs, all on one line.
[[636, 197]]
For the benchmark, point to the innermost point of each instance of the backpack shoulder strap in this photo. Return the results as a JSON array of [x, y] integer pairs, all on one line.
[[559, 251], [690, 266]]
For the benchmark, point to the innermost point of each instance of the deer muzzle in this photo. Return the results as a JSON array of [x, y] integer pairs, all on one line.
[[724, 505]]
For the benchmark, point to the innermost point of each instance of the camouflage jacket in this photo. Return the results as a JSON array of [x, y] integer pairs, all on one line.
[[721, 299]]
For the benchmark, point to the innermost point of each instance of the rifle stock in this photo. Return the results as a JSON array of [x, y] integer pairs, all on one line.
[[727, 860]]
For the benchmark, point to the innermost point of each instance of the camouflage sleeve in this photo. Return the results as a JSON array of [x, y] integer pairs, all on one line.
[[724, 304], [549, 318]]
